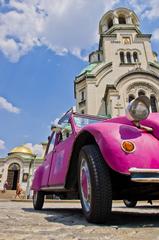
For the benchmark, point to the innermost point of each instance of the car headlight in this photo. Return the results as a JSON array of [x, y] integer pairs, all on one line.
[[138, 109]]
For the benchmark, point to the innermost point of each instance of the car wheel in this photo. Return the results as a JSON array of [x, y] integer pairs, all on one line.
[[130, 203], [94, 185], [38, 200]]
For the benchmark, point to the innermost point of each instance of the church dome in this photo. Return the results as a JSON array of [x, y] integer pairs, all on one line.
[[21, 150]]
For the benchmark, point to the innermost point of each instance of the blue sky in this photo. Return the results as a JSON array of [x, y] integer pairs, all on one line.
[[43, 45]]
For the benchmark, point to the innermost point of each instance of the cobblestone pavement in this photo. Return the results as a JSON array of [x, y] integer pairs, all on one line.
[[61, 220]]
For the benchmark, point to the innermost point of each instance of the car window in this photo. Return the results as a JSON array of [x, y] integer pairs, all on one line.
[[52, 143], [66, 132], [67, 128], [65, 119], [83, 121]]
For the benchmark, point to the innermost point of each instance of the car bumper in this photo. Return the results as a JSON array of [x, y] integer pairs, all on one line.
[[144, 175]]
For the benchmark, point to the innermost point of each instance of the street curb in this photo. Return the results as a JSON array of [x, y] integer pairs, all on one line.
[[4, 200]]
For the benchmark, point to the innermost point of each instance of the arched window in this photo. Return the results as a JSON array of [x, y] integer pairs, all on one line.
[[135, 57], [110, 23], [122, 57], [14, 167], [131, 97], [141, 93], [128, 55], [122, 19], [153, 102]]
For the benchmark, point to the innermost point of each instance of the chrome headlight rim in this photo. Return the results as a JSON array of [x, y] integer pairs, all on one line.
[[139, 102]]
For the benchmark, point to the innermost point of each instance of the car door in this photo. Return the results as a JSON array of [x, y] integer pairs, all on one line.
[[48, 160], [61, 156]]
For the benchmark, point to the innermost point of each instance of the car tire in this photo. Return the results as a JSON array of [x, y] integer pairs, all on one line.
[[130, 203], [38, 200], [94, 184]]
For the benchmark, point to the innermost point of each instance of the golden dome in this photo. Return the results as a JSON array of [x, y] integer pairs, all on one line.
[[21, 149]]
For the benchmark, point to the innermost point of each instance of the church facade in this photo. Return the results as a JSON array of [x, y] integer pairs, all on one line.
[[123, 68], [19, 167]]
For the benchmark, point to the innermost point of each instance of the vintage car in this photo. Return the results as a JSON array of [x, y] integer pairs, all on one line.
[[101, 160]]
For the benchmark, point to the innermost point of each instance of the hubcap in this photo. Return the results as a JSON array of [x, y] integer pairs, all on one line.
[[85, 183]]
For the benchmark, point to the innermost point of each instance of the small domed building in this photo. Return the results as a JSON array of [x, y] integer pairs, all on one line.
[[123, 68], [18, 167]]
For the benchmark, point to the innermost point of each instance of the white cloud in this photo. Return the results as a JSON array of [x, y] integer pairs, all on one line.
[[156, 34], [145, 8], [4, 104], [37, 149], [64, 26], [137, 6], [2, 144], [152, 9]]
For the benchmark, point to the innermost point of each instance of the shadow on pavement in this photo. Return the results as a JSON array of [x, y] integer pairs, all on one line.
[[128, 218]]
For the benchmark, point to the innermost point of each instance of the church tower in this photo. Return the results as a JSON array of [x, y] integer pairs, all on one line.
[[123, 68]]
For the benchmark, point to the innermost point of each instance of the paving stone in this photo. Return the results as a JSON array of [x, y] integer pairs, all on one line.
[[60, 221]]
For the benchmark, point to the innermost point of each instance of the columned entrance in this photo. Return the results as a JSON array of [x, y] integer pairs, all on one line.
[[13, 176]]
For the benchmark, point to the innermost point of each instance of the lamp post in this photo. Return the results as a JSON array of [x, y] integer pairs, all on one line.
[[31, 169]]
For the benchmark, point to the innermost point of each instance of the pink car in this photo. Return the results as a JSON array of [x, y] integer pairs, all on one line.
[[101, 160]]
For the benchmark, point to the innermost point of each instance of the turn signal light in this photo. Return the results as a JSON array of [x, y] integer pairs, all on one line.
[[128, 146]]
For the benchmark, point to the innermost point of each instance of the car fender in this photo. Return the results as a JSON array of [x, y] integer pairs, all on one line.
[[109, 137], [36, 183]]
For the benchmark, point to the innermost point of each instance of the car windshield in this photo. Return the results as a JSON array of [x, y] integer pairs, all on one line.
[[83, 121]]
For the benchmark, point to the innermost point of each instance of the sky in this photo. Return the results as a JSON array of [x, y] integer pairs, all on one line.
[[44, 44]]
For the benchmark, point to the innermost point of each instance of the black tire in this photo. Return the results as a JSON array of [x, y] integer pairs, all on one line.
[[38, 200], [100, 202], [130, 203]]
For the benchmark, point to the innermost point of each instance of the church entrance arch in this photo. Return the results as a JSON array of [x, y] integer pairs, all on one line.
[[13, 176]]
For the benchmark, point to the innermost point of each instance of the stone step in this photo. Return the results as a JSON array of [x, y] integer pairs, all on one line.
[[9, 194]]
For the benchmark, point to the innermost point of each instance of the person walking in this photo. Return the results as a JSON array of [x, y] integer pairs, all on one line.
[[5, 185], [18, 191]]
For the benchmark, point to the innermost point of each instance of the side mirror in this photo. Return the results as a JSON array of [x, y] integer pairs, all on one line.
[[138, 109]]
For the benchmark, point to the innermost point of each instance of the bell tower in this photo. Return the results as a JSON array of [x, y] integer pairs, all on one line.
[[123, 66], [118, 18]]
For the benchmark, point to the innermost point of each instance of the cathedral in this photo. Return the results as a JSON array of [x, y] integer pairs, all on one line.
[[123, 68]]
